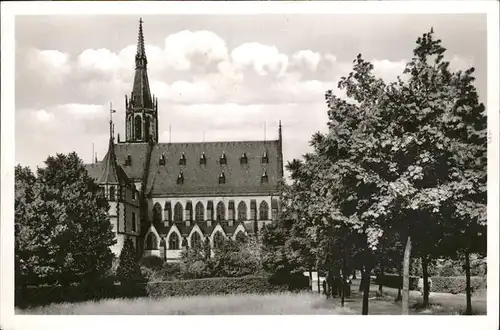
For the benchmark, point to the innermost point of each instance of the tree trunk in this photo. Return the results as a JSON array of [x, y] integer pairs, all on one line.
[[425, 273], [366, 290], [319, 284], [406, 277], [310, 280], [354, 274], [343, 279], [362, 281], [381, 281], [468, 310], [399, 298]]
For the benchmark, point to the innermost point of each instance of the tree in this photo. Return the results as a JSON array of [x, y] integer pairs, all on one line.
[[129, 270], [63, 232]]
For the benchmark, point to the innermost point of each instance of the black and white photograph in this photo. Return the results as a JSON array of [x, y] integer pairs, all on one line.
[[297, 162]]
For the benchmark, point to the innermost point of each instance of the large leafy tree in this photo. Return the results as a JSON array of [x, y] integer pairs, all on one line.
[[63, 231]]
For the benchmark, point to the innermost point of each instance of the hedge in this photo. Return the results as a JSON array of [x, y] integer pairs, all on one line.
[[212, 286], [44, 295], [453, 285]]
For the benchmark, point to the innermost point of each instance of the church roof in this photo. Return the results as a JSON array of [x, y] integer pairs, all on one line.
[[109, 171], [203, 179]]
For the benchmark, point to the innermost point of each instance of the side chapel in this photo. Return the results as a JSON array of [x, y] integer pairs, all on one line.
[[172, 196]]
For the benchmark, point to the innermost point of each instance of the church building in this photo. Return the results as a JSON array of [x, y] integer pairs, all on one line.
[[168, 197]]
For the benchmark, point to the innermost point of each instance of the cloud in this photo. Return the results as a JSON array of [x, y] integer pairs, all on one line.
[[263, 59], [184, 48], [43, 115], [52, 66], [307, 58], [184, 91], [388, 70]]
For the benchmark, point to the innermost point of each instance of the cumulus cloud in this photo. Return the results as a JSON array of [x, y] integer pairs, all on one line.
[[263, 59], [183, 47], [388, 70], [307, 58], [52, 66], [43, 116]]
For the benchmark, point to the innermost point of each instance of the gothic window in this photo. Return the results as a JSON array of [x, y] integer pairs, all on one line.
[[138, 128], [178, 212], [189, 211], [242, 211], [195, 240], [134, 224], [222, 178], [182, 160], [157, 213], [274, 209], [163, 159], [253, 210], [112, 193], [221, 211], [263, 211], [264, 178], [241, 237], [265, 159], [146, 129], [203, 159], [173, 242], [199, 211], [129, 126], [128, 160], [210, 210], [151, 242], [180, 178], [230, 207], [168, 211], [243, 159], [218, 239], [223, 159], [134, 194]]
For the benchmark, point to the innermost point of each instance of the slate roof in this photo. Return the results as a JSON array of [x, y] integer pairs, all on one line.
[[109, 172], [202, 179]]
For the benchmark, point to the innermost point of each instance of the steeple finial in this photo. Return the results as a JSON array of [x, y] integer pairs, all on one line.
[[140, 57]]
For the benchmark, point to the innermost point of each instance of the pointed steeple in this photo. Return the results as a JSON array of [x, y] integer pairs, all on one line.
[[141, 95], [112, 173], [141, 119]]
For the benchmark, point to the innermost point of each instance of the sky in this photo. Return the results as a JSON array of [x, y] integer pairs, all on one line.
[[217, 77]]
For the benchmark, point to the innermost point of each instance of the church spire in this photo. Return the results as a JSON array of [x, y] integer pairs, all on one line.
[[141, 123]]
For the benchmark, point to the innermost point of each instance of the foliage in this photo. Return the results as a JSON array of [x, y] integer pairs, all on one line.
[[152, 262], [128, 270], [233, 259], [212, 286], [445, 284], [63, 234]]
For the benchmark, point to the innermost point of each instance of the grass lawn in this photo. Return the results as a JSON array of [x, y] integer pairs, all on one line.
[[268, 304]]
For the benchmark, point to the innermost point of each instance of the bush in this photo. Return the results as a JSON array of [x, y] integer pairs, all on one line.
[[152, 262], [128, 270], [439, 284], [212, 286]]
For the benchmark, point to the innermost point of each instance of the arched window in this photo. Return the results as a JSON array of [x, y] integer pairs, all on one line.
[[241, 237], [173, 242], [178, 212], [218, 239], [221, 211], [189, 211], [168, 211], [157, 213], [263, 211], [242, 211], [195, 240], [138, 128], [112, 193], [210, 210], [146, 128], [199, 211], [151, 242], [129, 126]]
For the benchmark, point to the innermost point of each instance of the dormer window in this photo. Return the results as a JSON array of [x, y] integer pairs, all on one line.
[[180, 178], [182, 161], [128, 160], [222, 178], [203, 159], [265, 159], [223, 159], [264, 178], [163, 159], [244, 159]]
